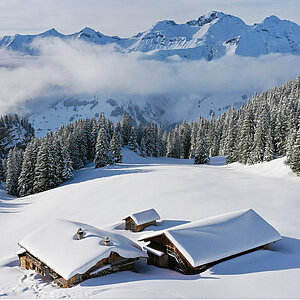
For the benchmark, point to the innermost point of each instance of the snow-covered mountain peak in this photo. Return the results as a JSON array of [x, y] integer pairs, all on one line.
[[51, 31], [208, 18], [211, 36], [271, 19]]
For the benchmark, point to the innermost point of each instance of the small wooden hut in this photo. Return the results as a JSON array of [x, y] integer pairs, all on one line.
[[194, 247], [139, 221], [70, 252]]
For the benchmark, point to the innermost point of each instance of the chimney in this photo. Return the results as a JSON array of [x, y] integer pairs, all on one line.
[[79, 234], [106, 241]]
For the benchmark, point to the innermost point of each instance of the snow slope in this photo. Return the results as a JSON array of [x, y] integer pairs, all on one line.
[[180, 192]]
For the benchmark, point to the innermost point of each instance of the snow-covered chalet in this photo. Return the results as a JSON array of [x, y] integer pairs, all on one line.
[[139, 221], [196, 246], [70, 252]]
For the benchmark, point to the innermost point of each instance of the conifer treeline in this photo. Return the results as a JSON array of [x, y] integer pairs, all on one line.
[[12, 126], [266, 127]]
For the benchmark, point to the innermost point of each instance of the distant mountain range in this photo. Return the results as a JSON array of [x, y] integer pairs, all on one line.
[[210, 36]]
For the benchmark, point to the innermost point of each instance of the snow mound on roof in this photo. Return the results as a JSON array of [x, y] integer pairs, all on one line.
[[214, 238], [145, 216], [57, 246]]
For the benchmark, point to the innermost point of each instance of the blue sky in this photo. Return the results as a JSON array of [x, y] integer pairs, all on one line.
[[128, 17]]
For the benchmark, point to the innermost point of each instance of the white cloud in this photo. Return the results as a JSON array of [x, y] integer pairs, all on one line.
[[75, 67]]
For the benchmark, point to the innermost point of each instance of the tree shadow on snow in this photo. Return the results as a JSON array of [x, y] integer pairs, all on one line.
[[8, 203], [90, 172], [283, 255]]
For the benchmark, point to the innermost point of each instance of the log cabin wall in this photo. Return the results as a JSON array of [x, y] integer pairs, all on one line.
[[115, 261], [132, 226], [163, 244]]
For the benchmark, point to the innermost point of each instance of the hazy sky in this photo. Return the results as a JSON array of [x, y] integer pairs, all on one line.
[[128, 17]]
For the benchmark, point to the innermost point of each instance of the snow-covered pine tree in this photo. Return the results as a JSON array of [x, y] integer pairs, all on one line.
[[26, 178], [269, 147], [1, 171], [132, 143], [126, 125], [93, 137], [231, 138], [294, 159], [67, 169], [103, 155], [14, 166], [73, 149], [143, 150], [245, 137], [116, 147], [139, 132], [194, 130], [45, 175], [185, 137], [201, 151]]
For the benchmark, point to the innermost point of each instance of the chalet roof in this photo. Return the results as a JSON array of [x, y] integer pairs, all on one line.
[[144, 216], [57, 246], [214, 238]]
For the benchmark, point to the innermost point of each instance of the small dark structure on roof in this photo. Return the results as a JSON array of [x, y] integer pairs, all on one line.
[[139, 221], [194, 247]]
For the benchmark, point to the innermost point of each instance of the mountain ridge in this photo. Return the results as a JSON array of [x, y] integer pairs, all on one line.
[[211, 36]]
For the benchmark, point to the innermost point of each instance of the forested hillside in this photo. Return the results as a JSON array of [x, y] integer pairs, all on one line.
[[265, 128]]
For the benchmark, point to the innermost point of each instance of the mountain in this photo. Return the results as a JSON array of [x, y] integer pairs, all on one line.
[[210, 36]]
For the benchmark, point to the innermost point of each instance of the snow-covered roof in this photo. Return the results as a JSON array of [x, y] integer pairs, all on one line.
[[57, 246], [214, 238], [144, 216]]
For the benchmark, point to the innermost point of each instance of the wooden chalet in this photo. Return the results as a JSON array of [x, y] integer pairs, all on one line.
[[70, 252], [194, 247], [139, 221]]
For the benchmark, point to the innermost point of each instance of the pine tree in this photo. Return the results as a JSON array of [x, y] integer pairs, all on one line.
[[14, 166], [269, 147], [67, 169], [45, 175], [102, 154], [231, 139], [132, 143], [126, 125], [143, 150], [1, 170], [26, 178], [116, 147], [294, 160], [201, 151]]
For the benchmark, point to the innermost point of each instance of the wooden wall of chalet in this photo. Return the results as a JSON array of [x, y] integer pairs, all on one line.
[[132, 226], [163, 244], [117, 263]]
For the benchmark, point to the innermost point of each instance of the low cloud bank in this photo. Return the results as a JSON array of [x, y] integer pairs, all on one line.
[[75, 67]]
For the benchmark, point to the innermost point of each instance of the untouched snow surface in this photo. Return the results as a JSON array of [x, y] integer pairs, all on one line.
[[181, 192], [211, 239]]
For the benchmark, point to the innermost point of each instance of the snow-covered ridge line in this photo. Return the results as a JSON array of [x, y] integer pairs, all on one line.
[[211, 36]]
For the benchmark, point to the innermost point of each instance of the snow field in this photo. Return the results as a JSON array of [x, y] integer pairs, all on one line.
[[180, 192]]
